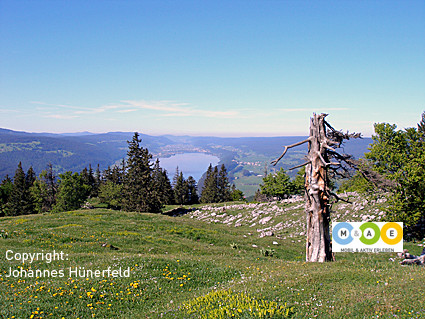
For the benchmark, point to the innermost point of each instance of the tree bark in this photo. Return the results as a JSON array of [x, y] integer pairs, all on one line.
[[318, 247], [317, 191]]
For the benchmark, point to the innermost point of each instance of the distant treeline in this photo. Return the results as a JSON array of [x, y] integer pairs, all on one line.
[[135, 185]]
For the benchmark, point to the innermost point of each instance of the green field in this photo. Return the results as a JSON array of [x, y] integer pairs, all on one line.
[[190, 266]]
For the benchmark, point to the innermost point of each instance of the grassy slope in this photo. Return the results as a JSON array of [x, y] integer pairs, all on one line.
[[163, 252]]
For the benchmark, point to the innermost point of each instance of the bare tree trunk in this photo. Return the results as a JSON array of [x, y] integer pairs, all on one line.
[[321, 150], [318, 248]]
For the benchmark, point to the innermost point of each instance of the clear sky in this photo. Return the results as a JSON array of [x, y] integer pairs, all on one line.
[[223, 68]]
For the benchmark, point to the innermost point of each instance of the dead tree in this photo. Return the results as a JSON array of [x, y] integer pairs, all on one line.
[[322, 158]]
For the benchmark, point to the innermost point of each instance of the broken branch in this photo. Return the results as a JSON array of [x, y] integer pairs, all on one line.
[[339, 198], [288, 147], [298, 166]]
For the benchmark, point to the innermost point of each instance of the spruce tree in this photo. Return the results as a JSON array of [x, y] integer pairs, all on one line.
[[6, 189], [85, 177], [115, 174], [162, 184], [210, 189], [92, 182], [110, 193], [72, 192], [97, 177], [167, 190], [223, 185], [52, 187], [181, 191], [237, 194], [44, 190], [139, 192], [20, 199], [175, 177], [277, 185], [192, 191], [30, 178], [421, 127]]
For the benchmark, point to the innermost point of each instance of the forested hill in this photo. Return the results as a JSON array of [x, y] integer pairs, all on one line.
[[75, 151], [66, 152]]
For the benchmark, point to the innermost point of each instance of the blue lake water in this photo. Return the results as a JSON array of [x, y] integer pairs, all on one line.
[[191, 164]]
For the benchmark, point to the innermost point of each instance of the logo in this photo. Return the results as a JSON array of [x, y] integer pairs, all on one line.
[[370, 237]]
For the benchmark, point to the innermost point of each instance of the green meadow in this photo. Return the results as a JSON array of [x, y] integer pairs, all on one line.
[[195, 265]]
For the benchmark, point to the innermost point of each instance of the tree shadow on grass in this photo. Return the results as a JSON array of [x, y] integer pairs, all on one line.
[[180, 211]]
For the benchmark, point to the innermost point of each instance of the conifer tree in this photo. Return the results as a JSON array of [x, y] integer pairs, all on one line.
[[52, 189], [20, 201], [181, 191], [44, 190], [175, 177], [115, 174], [110, 193], [6, 189], [92, 182], [210, 189], [162, 184], [97, 177], [139, 192], [72, 192], [167, 190], [223, 186], [421, 126], [29, 178], [237, 195], [277, 185], [85, 177], [192, 191]]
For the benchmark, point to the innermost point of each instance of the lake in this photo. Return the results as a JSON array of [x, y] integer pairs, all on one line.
[[191, 164]]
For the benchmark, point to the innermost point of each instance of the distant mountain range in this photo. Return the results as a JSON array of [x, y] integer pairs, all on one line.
[[75, 151]]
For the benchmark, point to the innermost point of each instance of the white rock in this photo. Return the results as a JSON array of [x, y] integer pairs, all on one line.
[[265, 220]]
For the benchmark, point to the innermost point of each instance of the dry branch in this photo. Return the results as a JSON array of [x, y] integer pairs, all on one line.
[[298, 166], [287, 147], [322, 158], [339, 198]]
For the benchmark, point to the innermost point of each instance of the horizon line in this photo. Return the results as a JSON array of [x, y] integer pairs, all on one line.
[[241, 135]]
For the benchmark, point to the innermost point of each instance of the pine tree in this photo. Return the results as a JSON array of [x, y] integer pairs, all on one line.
[[97, 177], [72, 192], [30, 178], [421, 126], [210, 189], [85, 177], [223, 193], [175, 177], [277, 185], [167, 190], [44, 190], [20, 201], [110, 193], [139, 192], [181, 191], [52, 187], [115, 174], [192, 191], [106, 176], [162, 184], [6, 189], [92, 182], [237, 195]]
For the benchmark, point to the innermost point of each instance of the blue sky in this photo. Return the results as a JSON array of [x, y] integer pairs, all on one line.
[[223, 68]]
